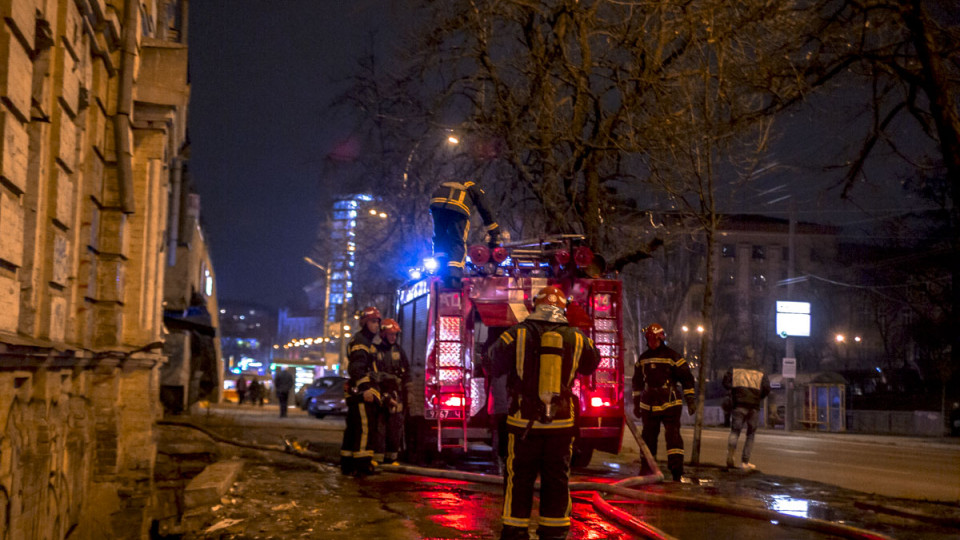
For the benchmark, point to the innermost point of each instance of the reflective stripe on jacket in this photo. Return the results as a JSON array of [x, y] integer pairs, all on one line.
[[463, 198], [520, 351], [655, 379]]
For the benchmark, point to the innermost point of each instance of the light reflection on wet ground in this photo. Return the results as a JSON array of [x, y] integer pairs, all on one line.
[[787, 496]]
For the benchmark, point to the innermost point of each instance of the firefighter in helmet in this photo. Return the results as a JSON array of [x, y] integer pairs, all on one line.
[[394, 372], [362, 396], [542, 357], [655, 397], [451, 205]]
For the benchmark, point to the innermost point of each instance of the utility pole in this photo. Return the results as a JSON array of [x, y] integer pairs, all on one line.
[[791, 272]]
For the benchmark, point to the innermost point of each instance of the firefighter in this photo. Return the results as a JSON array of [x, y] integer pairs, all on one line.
[[655, 397], [451, 205], [362, 396], [541, 357], [394, 372]]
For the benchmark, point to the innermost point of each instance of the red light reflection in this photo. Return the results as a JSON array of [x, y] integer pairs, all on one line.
[[589, 525], [460, 509]]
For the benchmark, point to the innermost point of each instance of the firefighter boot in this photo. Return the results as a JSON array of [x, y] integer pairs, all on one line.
[[347, 465], [510, 532]]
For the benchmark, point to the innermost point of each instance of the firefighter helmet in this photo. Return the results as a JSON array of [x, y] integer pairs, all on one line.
[[369, 313], [655, 330], [551, 294], [389, 326]]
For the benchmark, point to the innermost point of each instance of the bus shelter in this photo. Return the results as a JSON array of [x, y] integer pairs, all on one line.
[[819, 401]]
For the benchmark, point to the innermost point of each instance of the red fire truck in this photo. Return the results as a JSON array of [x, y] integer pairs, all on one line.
[[445, 331]]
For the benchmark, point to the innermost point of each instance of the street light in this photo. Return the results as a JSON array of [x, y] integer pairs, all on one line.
[[685, 329], [452, 139]]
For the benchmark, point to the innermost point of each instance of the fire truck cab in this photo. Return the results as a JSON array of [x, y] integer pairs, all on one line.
[[447, 330]]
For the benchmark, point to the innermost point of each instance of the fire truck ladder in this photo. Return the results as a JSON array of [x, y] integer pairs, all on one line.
[[452, 384]]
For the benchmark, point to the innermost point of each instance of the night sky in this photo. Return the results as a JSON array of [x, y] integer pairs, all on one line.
[[263, 74]]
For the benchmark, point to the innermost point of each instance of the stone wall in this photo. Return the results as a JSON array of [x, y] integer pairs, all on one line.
[[85, 161]]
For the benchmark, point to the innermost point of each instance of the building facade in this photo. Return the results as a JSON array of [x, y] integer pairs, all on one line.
[[194, 368], [93, 104]]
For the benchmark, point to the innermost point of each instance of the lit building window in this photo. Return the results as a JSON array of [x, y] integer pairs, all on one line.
[[207, 282]]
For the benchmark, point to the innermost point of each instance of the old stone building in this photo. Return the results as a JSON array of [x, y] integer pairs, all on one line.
[[93, 104], [194, 367]]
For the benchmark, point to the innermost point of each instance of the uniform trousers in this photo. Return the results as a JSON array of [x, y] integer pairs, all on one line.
[[360, 435], [543, 452], [450, 243], [670, 418]]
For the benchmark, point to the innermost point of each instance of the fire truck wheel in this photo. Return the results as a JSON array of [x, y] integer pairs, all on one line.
[[582, 454]]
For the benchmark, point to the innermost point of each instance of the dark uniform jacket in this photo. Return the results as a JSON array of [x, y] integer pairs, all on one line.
[[463, 198], [747, 386], [518, 353], [394, 370], [655, 380], [362, 368]]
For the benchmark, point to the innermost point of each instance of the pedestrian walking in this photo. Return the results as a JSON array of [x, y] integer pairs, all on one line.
[[363, 397], [451, 205], [241, 389], [394, 370], [656, 399], [541, 357], [748, 387], [256, 391], [283, 383]]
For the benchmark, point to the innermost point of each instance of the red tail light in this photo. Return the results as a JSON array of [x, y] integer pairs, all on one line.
[[598, 402], [500, 254], [453, 401], [479, 255]]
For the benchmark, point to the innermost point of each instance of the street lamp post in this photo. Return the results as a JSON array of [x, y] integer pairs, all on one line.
[[326, 309]]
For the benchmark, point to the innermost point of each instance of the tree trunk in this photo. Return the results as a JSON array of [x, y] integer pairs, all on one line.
[[705, 339]]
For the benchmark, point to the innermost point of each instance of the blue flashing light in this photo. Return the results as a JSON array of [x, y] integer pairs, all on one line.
[[879, 370], [430, 264], [415, 273]]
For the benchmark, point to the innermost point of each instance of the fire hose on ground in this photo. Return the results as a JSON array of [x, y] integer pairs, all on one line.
[[622, 488]]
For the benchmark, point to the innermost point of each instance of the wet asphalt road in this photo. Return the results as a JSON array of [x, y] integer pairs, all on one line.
[[327, 505]]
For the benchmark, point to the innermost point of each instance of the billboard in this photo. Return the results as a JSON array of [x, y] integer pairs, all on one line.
[[793, 319]]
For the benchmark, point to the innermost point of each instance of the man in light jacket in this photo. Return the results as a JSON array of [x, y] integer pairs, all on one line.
[[748, 386]]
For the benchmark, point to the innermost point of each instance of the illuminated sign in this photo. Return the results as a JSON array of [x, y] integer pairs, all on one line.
[[793, 319]]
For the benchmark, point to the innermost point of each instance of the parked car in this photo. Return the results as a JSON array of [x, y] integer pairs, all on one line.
[[325, 396]]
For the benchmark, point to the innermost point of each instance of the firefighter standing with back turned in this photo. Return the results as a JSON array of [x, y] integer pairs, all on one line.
[[451, 205], [394, 380], [541, 356], [362, 396], [655, 396]]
